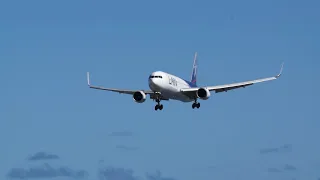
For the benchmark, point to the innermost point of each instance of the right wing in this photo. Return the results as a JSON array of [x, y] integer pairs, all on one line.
[[121, 91]]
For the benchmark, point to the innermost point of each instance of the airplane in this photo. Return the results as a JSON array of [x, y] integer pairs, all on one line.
[[165, 86]]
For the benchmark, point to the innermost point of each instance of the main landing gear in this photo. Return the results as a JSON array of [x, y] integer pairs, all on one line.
[[195, 105], [158, 106]]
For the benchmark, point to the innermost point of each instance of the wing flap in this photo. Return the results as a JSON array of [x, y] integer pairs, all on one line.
[[230, 88]]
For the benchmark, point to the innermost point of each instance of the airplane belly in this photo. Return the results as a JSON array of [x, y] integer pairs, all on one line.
[[176, 95]]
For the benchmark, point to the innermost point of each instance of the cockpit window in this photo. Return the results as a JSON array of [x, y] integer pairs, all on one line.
[[155, 77]]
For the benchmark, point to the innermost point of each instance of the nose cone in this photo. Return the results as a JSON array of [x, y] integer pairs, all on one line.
[[155, 82]]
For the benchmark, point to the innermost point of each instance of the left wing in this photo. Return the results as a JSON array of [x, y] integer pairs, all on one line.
[[121, 91], [227, 87]]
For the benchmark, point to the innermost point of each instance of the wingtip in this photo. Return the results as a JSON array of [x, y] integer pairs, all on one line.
[[280, 73], [88, 78]]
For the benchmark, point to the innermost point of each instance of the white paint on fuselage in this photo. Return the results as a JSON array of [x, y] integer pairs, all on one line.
[[169, 86]]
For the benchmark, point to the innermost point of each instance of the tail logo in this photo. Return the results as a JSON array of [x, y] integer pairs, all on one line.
[[194, 80], [194, 70]]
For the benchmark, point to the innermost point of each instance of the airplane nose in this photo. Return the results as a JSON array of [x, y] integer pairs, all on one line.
[[151, 81], [153, 84]]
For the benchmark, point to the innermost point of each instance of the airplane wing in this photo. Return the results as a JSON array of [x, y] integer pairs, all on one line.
[[227, 87], [121, 91]]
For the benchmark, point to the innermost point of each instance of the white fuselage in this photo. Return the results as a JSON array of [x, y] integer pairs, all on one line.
[[169, 86]]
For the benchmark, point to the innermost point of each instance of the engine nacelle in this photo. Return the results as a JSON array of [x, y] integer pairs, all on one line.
[[203, 93], [139, 96]]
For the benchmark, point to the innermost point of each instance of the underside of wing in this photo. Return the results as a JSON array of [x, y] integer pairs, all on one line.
[[191, 92], [227, 87], [121, 91]]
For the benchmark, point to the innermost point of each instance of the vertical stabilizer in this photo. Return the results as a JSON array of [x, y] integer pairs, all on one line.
[[194, 70]]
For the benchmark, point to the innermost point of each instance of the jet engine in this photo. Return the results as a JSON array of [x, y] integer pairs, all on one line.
[[139, 96], [203, 93]]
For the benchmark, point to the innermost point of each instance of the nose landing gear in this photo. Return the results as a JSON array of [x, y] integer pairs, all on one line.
[[158, 106]]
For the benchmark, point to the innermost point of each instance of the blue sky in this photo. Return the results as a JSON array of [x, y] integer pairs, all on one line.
[[47, 47]]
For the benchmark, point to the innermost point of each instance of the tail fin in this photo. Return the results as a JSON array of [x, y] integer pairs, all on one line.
[[194, 70]]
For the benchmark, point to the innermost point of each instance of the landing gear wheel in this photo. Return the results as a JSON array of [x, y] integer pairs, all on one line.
[[158, 106], [196, 105]]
